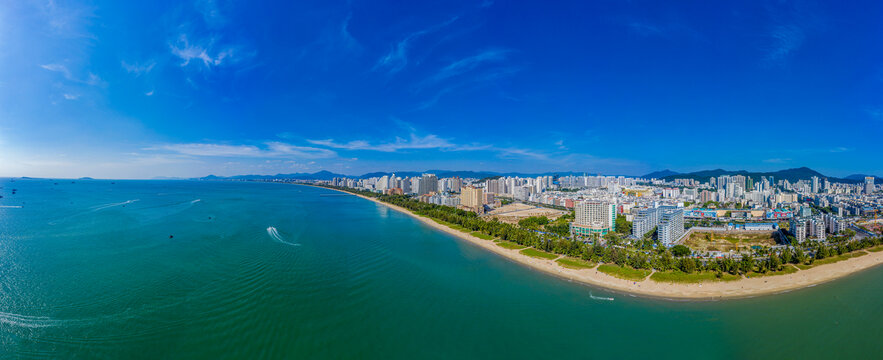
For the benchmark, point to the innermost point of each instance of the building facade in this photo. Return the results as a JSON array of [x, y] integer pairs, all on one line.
[[593, 218]]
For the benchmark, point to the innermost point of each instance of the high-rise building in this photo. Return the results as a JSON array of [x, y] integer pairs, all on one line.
[[815, 184], [644, 222], [797, 227], [472, 197], [428, 184], [493, 186], [456, 184], [869, 184], [671, 225], [594, 217], [406, 185], [817, 228]]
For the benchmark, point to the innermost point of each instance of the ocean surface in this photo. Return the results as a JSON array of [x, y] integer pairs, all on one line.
[[226, 270]]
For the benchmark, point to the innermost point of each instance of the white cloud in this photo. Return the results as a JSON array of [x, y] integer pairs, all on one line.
[[138, 69], [149, 93], [413, 142], [211, 13], [397, 58], [186, 51], [346, 36], [786, 39], [91, 79], [71, 96], [58, 68], [470, 63], [273, 149]]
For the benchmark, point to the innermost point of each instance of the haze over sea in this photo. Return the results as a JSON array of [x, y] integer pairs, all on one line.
[[178, 269]]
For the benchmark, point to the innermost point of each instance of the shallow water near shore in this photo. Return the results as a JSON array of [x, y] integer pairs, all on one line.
[[178, 269]]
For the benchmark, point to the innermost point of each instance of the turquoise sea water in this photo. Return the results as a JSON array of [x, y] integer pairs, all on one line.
[[209, 270]]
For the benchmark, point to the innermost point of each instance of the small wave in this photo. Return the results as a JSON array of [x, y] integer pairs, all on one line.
[[600, 297], [275, 235], [195, 201], [10, 206]]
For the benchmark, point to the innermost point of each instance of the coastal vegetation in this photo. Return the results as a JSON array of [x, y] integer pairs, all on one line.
[[678, 276], [538, 254], [574, 263], [622, 272], [510, 245], [481, 235], [635, 259]]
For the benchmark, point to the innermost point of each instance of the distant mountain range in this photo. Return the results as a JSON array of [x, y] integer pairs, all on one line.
[[861, 178], [791, 175], [660, 174], [321, 175]]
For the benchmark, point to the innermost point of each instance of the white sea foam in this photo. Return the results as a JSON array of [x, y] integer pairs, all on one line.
[[600, 297], [275, 235], [195, 201], [27, 321], [10, 206]]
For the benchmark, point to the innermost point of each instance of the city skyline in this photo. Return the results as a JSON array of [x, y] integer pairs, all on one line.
[[119, 90]]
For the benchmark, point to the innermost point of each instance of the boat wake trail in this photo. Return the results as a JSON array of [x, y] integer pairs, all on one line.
[[28, 321], [600, 297], [10, 206], [105, 206], [275, 235]]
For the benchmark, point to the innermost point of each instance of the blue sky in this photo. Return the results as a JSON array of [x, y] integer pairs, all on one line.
[[120, 89]]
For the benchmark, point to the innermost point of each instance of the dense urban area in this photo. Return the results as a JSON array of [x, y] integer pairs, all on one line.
[[725, 227]]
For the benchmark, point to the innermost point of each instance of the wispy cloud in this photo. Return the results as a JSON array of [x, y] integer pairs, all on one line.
[[669, 27], [346, 36], [186, 51], [470, 63], [469, 82], [412, 142], [432, 142], [875, 113], [777, 160], [644, 28], [785, 40], [71, 96], [271, 149], [91, 79], [397, 58], [211, 13], [59, 69], [68, 20], [138, 69]]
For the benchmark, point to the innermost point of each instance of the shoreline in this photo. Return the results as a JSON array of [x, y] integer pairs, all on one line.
[[712, 290]]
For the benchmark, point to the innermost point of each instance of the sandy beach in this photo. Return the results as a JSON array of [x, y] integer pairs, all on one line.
[[713, 290]]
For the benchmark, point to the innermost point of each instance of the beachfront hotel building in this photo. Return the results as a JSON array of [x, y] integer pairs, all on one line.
[[645, 221], [472, 197], [797, 227], [671, 225], [593, 217]]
